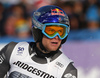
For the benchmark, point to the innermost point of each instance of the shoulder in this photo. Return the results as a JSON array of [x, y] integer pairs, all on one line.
[[71, 68], [70, 71], [7, 50], [9, 47]]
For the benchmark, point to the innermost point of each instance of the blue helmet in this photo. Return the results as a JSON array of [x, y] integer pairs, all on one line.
[[48, 15]]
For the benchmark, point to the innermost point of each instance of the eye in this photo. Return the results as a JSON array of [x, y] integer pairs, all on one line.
[[52, 30], [60, 31]]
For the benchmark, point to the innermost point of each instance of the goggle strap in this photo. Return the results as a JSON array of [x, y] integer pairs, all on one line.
[[37, 24]]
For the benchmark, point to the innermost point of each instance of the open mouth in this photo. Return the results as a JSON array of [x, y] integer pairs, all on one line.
[[54, 42]]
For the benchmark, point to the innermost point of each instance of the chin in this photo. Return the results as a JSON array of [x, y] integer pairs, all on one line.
[[53, 49]]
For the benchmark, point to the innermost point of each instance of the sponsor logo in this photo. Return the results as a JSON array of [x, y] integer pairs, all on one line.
[[16, 74], [20, 50], [33, 70], [59, 64], [69, 75], [1, 59], [57, 11]]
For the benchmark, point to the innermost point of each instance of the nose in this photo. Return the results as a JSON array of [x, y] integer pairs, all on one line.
[[56, 37]]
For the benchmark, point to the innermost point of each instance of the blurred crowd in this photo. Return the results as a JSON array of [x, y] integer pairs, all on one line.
[[15, 18]]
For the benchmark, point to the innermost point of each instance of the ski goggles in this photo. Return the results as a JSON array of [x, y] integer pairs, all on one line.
[[52, 30]]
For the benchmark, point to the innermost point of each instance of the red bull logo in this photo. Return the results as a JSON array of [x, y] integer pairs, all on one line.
[[57, 11]]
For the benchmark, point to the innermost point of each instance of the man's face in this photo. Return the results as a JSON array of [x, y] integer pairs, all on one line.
[[51, 44]]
